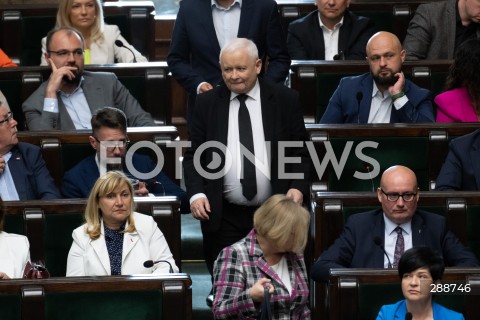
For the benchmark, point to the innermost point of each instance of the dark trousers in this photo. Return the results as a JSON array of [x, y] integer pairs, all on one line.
[[237, 221]]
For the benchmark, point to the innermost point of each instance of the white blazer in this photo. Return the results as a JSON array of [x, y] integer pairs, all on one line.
[[89, 257], [105, 51], [14, 254]]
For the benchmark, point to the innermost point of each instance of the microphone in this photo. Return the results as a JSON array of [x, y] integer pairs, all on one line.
[[408, 316], [379, 243], [119, 43], [367, 167], [359, 99], [339, 56], [150, 263]]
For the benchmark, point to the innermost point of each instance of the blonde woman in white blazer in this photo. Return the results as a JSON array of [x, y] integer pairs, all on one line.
[[14, 253], [115, 239], [87, 17]]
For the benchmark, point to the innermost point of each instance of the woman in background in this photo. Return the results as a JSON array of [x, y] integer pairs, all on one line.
[[271, 254], [461, 100], [87, 17], [418, 268], [14, 252], [115, 240]]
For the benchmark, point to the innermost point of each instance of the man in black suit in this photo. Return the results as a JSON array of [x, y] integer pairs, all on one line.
[[220, 201], [461, 169], [330, 33], [369, 239]]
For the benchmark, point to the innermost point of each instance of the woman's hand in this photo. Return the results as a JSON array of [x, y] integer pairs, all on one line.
[[256, 292], [4, 276]]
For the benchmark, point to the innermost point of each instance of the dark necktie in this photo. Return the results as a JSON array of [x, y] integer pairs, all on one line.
[[399, 246], [249, 181]]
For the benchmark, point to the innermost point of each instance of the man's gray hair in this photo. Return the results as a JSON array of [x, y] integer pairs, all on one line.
[[239, 44]]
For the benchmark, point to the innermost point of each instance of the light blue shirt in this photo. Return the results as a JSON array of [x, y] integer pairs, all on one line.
[[226, 21], [76, 105], [8, 191]]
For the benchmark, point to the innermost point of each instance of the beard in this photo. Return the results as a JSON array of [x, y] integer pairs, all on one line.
[[75, 80], [388, 80]]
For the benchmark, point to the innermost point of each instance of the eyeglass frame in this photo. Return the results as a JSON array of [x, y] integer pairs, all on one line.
[[125, 141], [7, 118], [398, 195], [66, 53]]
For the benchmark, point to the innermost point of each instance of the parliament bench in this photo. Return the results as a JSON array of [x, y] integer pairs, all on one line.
[[62, 150], [392, 16], [358, 294], [23, 26], [148, 82], [48, 225], [159, 297], [330, 210], [317, 80], [369, 149]]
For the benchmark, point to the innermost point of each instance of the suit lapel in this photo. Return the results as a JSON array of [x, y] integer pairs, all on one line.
[[100, 248], [206, 20], [129, 241], [475, 157], [222, 109], [268, 111], [379, 232], [245, 18], [418, 238], [94, 93], [317, 33], [366, 87], [19, 174]]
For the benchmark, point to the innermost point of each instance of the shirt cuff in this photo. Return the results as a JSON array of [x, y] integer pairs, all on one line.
[[400, 102], [50, 105], [197, 196]]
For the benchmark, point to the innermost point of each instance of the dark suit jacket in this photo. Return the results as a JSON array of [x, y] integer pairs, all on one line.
[[282, 121], [305, 37], [461, 169], [194, 51], [356, 248], [101, 89], [78, 181], [30, 174], [343, 106]]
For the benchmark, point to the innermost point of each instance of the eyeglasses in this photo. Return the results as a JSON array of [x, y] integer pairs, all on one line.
[[407, 196], [66, 53], [7, 118], [119, 143]]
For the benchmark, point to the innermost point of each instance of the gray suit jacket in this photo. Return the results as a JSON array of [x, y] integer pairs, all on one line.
[[431, 32], [101, 89]]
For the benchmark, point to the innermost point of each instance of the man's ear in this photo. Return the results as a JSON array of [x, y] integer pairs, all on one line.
[[93, 142]]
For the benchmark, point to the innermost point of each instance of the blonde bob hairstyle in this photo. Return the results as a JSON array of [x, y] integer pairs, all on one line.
[[283, 222], [109, 182], [63, 18]]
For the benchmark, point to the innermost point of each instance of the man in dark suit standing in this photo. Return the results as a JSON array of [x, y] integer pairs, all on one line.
[[23, 173], [383, 95], [377, 239], [202, 28], [110, 125], [461, 169], [225, 197], [330, 33]]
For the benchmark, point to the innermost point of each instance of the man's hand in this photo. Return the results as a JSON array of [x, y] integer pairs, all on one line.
[[296, 195], [205, 87], [56, 82], [200, 209], [142, 190], [3, 164], [4, 276], [398, 86]]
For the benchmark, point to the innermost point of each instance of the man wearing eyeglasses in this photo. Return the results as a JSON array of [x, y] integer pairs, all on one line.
[[71, 95], [23, 173], [378, 238], [109, 125]]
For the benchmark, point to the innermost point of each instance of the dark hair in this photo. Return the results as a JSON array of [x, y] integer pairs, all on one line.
[[68, 30], [109, 117], [421, 257], [465, 71]]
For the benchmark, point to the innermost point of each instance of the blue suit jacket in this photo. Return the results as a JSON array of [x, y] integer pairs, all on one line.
[[399, 310], [30, 174], [356, 248], [78, 181], [461, 169], [305, 37], [194, 50], [343, 106]]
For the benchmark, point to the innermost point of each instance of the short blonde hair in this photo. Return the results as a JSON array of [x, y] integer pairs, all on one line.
[[63, 18], [109, 182], [283, 221]]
